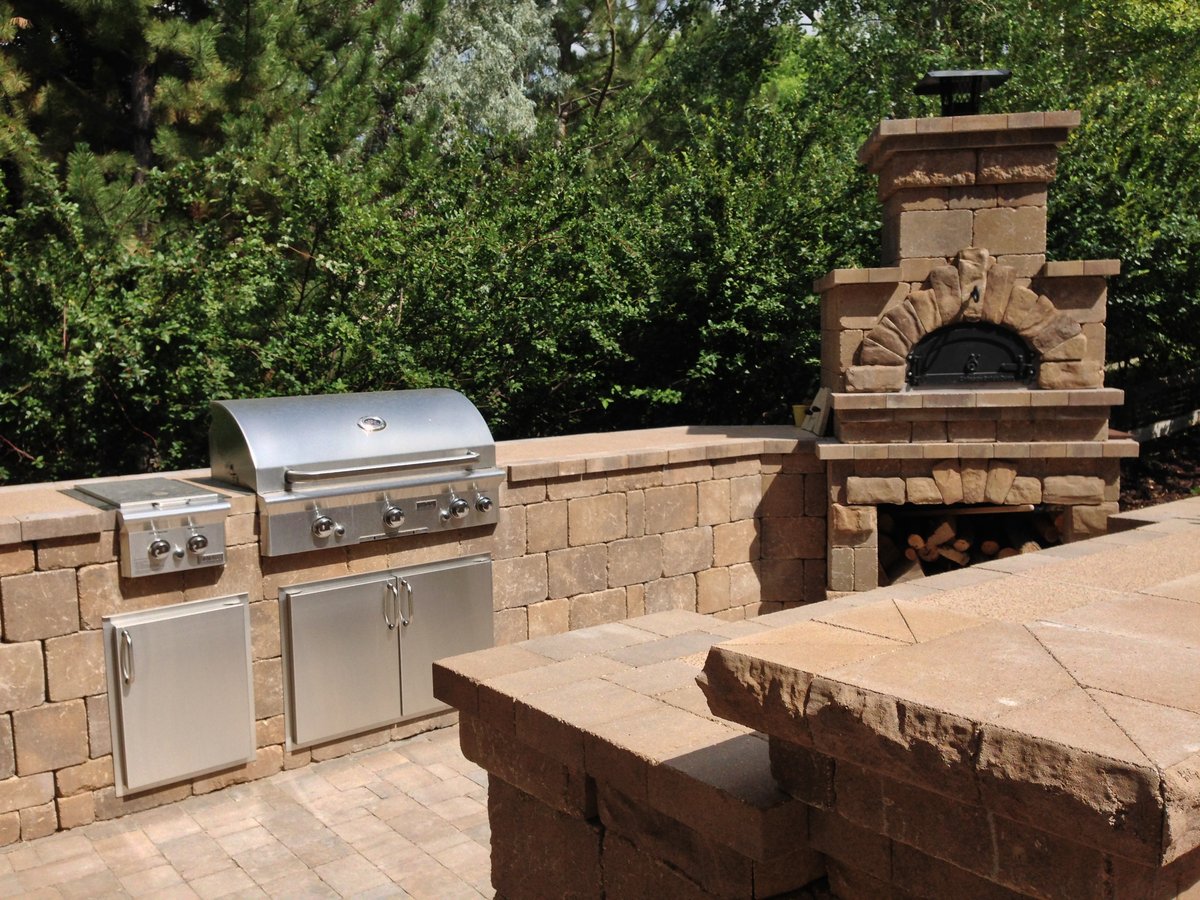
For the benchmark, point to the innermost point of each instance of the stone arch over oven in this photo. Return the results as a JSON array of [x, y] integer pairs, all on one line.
[[976, 289]]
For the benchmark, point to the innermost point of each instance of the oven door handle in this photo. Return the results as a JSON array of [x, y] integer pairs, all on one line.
[[294, 476]]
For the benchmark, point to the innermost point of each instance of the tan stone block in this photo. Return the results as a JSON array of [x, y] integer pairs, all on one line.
[[745, 584], [26, 792], [1073, 489], [16, 559], [1008, 229], [99, 731], [997, 292], [353, 744], [241, 529], [519, 581], [546, 526], [10, 828], [76, 811], [277, 572], [635, 512], [1020, 302], [850, 526], [1083, 298], [671, 593], [1025, 265], [671, 508], [268, 687], [713, 500], [712, 591], [870, 491], [22, 678], [1096, 335], [977, 196], [1017, 165], [859, 306], [634, 480], [635, 600], [974, 482], [521, 494], [635, 560], [510, 626], [39, 605], [538, 851], [905, 320], [101, 593], [736, 542], [571, 486], [971, 430], [596, 520], [689, 550], [269, 731], [883, 345], [924, 233], [75, 665], [867, 851], [793, 538], [946, 293], [687, 473], [1089, 521], [917, 198], [925, 169], [578, 570], [264, 629], [1000, 478], [920, 489], [8, 757], [549, 617], [1074, 348], [1029, 194], [50, 737], [928, 432], [39, 821], [510, 538], [597, 609], [782, 494], [89, 776], [874, 378], [841, 568], [75, 551]]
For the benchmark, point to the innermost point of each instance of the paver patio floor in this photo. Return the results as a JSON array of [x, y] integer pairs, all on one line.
[[408, 819]]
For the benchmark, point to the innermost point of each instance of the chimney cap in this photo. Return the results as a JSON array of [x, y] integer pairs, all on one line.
[[948, 83]]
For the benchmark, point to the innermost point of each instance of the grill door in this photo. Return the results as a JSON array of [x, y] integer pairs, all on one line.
[[179, 691], [446, 610], [341, 658]]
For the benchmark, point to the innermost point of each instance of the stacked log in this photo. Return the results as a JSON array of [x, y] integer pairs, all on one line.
[[912, 546]]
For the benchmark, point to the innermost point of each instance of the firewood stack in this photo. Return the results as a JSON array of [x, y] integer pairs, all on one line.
[[913, 546]]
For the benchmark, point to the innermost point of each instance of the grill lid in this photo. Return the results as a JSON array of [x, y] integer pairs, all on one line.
[[289, 444]]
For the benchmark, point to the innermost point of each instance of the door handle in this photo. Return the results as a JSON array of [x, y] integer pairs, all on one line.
[[408, 589], [392, 599], [125, 655]]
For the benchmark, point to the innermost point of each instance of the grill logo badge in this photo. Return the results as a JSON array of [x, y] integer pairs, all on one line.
[[372, 423]]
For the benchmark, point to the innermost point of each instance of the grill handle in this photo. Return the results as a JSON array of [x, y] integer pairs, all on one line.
[[292, 476]]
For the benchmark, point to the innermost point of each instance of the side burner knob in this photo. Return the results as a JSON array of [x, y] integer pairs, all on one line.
[[322, 526], [197, 543], [393, 517], [459, 508], [484, 504], [159, 548]]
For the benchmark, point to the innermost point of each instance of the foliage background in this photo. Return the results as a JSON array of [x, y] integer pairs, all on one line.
[[585, 215]]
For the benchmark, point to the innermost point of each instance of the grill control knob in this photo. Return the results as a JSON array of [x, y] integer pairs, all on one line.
[[483, 504], [459, 508], [323, 526], [197, 542], [393, 517], [159, 548]]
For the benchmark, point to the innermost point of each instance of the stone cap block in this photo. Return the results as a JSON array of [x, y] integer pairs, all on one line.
[[954, 132], [1075, 268], [978, 399], [1116, 448], [838, 277], [1059, 693]]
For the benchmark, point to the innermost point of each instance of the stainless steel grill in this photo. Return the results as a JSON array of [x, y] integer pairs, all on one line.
[[341, 469]]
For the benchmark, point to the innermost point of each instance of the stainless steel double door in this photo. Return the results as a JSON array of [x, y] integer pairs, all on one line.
[[359, 651]]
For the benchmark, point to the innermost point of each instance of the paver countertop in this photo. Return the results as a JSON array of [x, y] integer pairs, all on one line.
[[1060, 689], [30, 512]]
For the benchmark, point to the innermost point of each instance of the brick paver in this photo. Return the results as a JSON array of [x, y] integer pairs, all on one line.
[[408, 819]]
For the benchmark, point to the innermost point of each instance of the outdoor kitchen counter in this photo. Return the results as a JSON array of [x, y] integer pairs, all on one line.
[[1043, 706], [32, 512]]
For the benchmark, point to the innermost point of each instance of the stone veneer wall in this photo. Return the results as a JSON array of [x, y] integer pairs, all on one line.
[[593, 529]]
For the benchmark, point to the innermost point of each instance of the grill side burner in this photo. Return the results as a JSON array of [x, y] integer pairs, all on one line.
[[341, 469]]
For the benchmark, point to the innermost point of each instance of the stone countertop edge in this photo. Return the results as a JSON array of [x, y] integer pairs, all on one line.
[[750, 687], [30, 512]]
